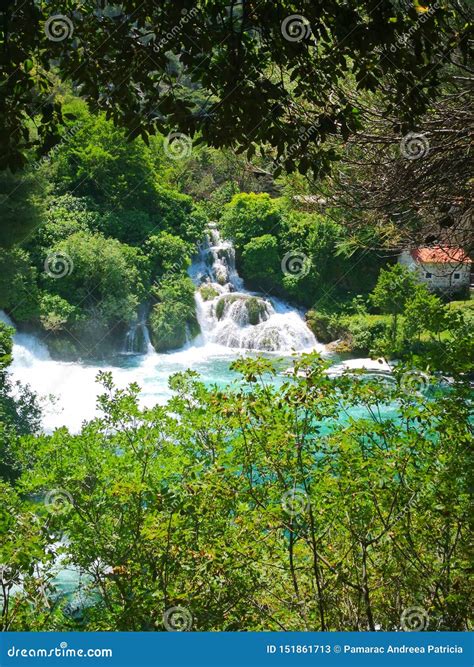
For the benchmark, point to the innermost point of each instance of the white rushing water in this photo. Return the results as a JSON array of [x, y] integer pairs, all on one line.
[[278, 328], [137, 339], [233, 317]]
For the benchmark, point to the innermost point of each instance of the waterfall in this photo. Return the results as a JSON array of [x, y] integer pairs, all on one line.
[[233, 317], [27, 348], [137, 338], [71, 384]]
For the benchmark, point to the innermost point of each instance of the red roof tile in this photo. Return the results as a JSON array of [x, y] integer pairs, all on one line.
[[441, 255]]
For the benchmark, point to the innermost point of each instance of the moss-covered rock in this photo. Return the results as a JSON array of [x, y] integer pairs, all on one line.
[[325, 327], [208, 292], [256, 308], [358, 334]]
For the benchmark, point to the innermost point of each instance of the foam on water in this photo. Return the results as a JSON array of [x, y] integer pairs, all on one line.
[[74, 388]]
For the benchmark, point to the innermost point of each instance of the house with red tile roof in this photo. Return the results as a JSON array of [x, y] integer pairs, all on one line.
[[442, 268]]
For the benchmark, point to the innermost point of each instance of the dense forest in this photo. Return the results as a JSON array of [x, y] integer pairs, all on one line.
[[288, 497]]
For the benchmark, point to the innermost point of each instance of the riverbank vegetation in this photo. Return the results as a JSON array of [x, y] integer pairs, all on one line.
[[107, 227], [250, 508], [399, 319]]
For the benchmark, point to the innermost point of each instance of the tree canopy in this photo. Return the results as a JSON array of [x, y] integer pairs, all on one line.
[[235, 72]]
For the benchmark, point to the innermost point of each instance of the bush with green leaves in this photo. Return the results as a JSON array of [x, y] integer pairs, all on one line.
[[20, 411], [425, 312], [326, 327], [97, 161], [395, 286], [168, 253], [358, 334], [125, 180], [27, 565], [173, 213], [67, 214], [22, 199], [249, 215], [365, 334], [56, 313], [261, 263], [208, 292], [303, 507], [173, 317], [18, 284], [102, 284], [104, 274]]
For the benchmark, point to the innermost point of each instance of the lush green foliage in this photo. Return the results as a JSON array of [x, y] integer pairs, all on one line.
[[249, 215], [173, 317], [261, 263], [228, 72], [256, 508], [19, 292], [294, 502], [269, 233], [395, 286], [24, 545], [19, 408], [82, 274], [21, 205], [427, 331], [168, 254], [105, 275]]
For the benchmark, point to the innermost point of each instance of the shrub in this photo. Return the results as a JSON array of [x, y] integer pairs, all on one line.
[[364, 332], [55, 312], [18, 285], [261, 262], [21, 196], [325, 327], [250, 215], [174, 314], [168, 254], [104, 276]]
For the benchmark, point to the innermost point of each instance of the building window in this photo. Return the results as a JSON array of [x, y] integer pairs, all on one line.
[[428, 275], [457, 276]]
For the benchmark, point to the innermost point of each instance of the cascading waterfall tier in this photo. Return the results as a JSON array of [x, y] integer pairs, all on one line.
[[137, 339], [233, 317]]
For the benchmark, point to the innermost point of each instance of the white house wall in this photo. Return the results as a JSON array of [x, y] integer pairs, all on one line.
[[442, 273]]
